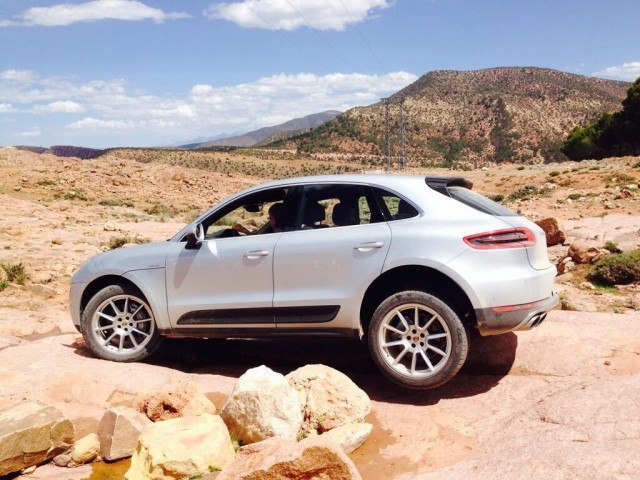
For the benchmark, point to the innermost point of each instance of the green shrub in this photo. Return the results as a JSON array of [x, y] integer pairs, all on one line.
[[612, 247], [16, 272], [617, 269]]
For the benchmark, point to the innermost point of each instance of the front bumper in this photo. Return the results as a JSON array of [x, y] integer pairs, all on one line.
[[496, 320], [75, 298]]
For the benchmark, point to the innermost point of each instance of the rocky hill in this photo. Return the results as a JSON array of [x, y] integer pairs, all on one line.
[[276, 132], [470, 118]]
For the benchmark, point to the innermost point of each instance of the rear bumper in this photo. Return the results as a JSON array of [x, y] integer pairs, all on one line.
[[496, 320]]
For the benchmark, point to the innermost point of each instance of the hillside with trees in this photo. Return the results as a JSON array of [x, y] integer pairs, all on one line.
[[469, 119]]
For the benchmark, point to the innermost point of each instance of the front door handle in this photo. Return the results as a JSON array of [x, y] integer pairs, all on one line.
[[256, 253], [368, 246]]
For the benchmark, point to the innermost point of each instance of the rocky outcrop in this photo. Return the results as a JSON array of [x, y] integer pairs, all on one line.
[[119, 430], [30, 434], [186, 399], [553, 232], [181, 448], [262, 405], [281, 458], [329, 398]]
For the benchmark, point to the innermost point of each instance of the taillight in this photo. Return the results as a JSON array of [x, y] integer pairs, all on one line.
[[510, 238]]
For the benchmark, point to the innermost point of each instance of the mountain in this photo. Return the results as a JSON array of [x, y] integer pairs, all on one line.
[[467, 119], [283, 131]]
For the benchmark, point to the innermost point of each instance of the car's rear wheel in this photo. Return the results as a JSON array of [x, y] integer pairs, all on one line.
[[417, 340], [118, 325]]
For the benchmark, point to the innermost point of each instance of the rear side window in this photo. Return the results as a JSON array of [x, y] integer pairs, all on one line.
[[479, 202], [395, 207]]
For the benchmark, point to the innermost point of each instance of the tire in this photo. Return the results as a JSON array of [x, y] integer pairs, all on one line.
[[417, 340], [118, 325]]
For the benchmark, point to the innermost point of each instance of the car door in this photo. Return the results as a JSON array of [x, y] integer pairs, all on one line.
[[226, 281], [323, 267]]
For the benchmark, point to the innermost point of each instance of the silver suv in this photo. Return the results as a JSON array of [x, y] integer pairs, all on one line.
[[409, 264]]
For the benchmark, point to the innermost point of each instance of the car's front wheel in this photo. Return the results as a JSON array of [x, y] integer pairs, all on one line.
[[118, 325], [417, 340]]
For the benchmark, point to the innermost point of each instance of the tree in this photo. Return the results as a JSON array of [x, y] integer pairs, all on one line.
[[611, 135]]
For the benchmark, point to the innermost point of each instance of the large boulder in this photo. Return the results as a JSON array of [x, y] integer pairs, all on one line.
[[282, 458], [181, 448], [262, 405], [119, 430], [553, 232], [329, 398], [30, 434], [182, 400]]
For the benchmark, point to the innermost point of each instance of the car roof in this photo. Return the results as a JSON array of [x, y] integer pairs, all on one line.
[[390, 180]]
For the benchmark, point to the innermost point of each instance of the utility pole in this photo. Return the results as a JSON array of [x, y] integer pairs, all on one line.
[[388, 135], [402, 139]]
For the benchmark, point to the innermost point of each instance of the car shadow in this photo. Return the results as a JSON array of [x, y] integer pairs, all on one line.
[[489, 360]]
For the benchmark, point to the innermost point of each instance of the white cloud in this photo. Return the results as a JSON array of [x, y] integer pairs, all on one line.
[[17, 76], [627, 71], [34, 132], [112, 109], [293, 14], [93, 124], [6, 108], [66, 13], [61, 106]]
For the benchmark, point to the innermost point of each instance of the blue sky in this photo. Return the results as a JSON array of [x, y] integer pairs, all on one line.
[[103, 73]]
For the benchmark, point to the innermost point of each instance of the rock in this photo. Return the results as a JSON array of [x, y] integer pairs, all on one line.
[[281, 458], [587, 286], [185, 399], [329, 398], [86, 449], [564, 278], [181, 448], [62, 460], [581, 253], [30, 434], [351, 436], [262, 405], [44, 291], [553, 232], [118, 432]]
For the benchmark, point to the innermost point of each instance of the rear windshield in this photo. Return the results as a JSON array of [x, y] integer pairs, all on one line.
[[480, 202]]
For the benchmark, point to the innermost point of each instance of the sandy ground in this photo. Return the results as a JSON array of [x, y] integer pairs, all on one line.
[[557, 402]]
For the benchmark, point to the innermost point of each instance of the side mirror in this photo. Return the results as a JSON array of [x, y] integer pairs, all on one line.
[[195, 236]]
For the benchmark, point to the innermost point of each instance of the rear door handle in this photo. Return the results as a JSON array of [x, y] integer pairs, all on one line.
[[256, 253], [368, 246]]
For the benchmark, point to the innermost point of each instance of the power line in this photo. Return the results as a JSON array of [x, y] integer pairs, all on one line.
[[364, 40], [297, 45], [321, 37]]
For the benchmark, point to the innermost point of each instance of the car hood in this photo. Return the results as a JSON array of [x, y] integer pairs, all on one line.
[[123, 260]]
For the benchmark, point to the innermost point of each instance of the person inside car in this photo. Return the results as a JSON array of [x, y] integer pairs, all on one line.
[[269, 227]]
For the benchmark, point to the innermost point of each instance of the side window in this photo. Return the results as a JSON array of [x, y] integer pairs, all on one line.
[[397, 208], [254, 214], [336, 205]]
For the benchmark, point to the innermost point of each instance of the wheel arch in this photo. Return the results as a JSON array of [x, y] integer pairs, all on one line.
[[102, 282], [416, 277]]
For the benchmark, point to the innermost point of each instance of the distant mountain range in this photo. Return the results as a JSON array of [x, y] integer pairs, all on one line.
[[519, 114], [267, 135]]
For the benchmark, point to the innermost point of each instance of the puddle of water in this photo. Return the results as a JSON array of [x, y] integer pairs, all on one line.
[[109, 471]]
